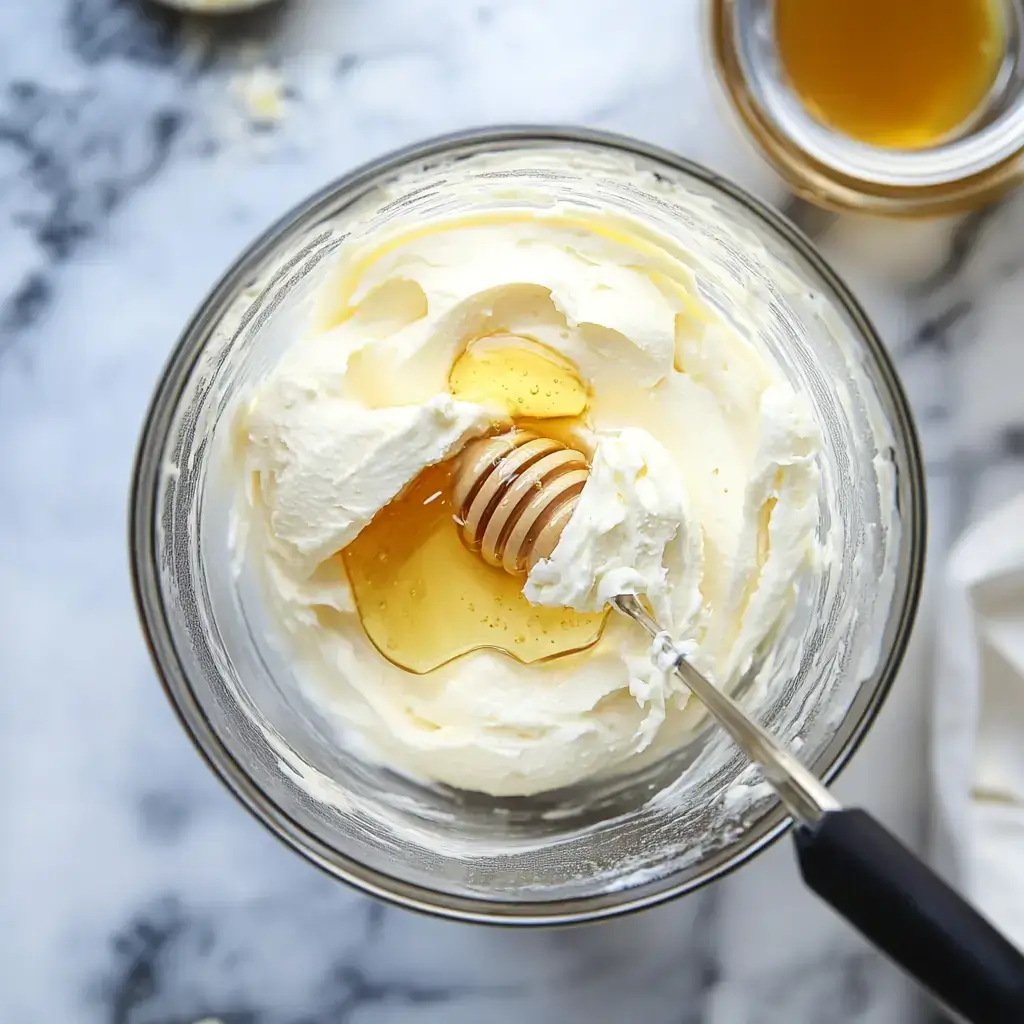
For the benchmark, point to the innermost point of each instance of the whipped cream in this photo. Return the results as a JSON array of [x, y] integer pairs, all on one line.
[[702, 495], [328, 464], [627, 535]]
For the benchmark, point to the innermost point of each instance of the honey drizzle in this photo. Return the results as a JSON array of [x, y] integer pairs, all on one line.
[[423, 597]]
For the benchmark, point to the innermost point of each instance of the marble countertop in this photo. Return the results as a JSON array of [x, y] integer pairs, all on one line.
[[139, 152]]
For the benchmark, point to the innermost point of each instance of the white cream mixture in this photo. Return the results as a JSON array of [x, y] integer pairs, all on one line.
[[702, 494]]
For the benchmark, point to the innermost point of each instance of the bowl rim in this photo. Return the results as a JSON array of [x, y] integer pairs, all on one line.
[[143, 520]]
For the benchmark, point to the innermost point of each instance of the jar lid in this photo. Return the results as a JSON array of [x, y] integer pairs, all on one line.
[[975, 165]]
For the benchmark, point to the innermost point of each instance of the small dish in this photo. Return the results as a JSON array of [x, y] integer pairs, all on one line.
[[972, 166]]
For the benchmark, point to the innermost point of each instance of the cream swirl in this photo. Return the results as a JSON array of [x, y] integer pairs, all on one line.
[[703, 492]]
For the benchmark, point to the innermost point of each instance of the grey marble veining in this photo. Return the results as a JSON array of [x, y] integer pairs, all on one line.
[[134, 164]]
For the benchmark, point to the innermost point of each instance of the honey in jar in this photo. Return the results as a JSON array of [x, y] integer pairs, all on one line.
[[902, 74]]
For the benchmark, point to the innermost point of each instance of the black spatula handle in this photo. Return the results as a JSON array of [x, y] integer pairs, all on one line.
[[904, 908]]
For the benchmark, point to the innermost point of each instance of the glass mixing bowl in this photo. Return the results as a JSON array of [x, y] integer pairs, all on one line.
[[613, 845]]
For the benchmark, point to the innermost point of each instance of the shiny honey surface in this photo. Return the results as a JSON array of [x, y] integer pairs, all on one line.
[[423, 597], [901, 74]]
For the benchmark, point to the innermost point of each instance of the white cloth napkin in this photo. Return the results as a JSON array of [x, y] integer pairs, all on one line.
[[977, 737]]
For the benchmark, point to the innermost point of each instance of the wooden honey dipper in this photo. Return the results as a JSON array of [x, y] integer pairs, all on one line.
[[514, 494]]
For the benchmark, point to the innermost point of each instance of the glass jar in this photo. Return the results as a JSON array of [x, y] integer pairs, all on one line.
[[970, 168], [597, 849]]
